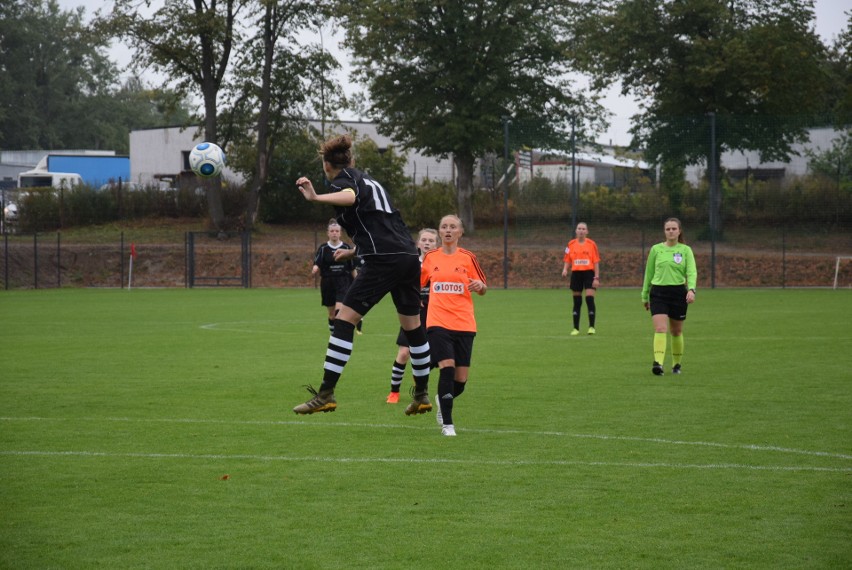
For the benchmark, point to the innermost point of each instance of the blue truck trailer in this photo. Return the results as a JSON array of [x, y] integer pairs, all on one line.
[[93, 169]]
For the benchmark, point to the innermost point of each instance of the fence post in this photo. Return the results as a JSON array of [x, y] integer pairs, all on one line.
[[783, 257], [58, 261], [574, 198], [121, 259], [244, 243], [190, 260], [506, 123], [35, 260], [713, 213]]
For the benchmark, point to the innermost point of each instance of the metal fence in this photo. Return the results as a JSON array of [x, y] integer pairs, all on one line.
[[749, 257]]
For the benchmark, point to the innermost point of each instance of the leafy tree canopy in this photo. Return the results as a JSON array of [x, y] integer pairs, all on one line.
[[58, 88], [51, 69], [755, 64], [442, 74]]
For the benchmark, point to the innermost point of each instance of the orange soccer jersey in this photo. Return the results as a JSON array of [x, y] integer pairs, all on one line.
[[450, 302], [582, 256]]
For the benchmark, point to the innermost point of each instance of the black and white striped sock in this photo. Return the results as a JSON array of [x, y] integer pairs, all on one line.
[[338, 353], [420, 357], [397, 372]]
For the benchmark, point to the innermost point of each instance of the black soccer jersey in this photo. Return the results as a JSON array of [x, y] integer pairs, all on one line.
[[372, 222], [324, 259]]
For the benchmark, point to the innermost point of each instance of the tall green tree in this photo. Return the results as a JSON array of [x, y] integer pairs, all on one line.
[[277, 83], [838, 101], [755, 65], [190, 42], [53, 70], [443, 74]]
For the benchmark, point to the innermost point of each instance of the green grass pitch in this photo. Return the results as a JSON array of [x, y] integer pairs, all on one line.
[[153, 429]]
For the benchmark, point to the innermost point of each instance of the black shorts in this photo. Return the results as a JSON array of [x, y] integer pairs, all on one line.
[[450, 345], [333, 289], [397, 274], [669, 300], [401, 339], [582, 280]]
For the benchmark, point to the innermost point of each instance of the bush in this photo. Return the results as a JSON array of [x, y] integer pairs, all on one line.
[[424, 205]]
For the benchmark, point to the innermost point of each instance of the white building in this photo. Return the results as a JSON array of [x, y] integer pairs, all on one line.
[[160, 155], [587, 167], [740, 164]]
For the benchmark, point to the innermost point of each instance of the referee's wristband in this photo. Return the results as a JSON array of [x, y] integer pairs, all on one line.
[[596, 277]]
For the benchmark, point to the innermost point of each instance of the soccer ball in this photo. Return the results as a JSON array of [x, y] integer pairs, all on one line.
[[207, 159]]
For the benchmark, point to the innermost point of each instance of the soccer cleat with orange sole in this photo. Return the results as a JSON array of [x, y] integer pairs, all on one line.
[[323, 401], [420, 403]]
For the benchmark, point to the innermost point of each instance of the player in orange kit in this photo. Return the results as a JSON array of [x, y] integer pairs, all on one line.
[[583, 259], [452, 274]]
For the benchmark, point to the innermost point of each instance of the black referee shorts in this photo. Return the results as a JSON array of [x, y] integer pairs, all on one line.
[[582, 280], [669, 300], [397, 274]]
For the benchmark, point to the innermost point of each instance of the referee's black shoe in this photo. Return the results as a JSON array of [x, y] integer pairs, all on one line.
[[657, 369]]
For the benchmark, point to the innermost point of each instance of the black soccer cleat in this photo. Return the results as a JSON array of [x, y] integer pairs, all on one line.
[[657, 369], [676, 369]]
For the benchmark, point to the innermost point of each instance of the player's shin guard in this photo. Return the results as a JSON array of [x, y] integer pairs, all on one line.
[[446, 388], [420, 357], [578, 305], [338, 353], [590, 303], [677, 349]]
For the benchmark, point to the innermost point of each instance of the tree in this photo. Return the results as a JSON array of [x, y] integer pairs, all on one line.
[[190, 41], [52, 70], [275, 86], [838, 66], [753, 64], [835, 163], [443, 74]]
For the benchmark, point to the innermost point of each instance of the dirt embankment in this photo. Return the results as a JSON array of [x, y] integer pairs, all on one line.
[[288, 265]]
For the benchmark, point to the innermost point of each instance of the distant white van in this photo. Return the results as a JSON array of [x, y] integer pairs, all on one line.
[[42, 179]]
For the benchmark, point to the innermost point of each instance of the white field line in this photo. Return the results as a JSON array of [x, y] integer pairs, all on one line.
[[233, 327], [503, 463], [660, 441], [237, 326]]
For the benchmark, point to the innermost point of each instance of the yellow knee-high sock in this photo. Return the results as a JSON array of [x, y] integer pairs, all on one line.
[[660, 347], [677, 349]]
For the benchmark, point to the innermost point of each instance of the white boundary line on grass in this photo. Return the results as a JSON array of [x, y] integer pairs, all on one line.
[[502, 463], [745, 447], [233, 326]]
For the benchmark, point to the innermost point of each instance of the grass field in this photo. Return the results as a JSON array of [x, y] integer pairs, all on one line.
[[152, 429]]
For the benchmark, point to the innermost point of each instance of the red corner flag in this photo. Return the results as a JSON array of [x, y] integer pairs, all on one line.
[[133, 250]]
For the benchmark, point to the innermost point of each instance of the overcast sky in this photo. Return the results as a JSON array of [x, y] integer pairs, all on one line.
[[830, 22]]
